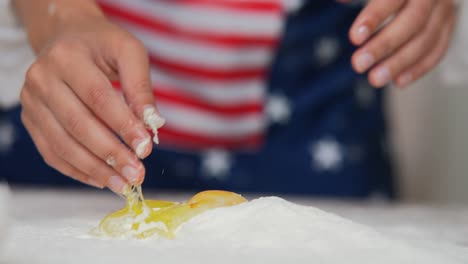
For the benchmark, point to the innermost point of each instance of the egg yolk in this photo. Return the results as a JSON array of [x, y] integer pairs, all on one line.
[[142, 218]]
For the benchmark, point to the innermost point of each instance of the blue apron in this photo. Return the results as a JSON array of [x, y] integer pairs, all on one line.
[[325, 135]]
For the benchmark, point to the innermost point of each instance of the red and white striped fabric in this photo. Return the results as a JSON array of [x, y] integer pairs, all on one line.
[[209, 63]]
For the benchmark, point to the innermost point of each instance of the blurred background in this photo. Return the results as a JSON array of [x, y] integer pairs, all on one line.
[[429, 124], [428, 121]]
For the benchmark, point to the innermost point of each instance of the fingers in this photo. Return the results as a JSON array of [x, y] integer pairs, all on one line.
[[78, 115], [412, 52], [408, 46], [81, 124], [133, 66], [404, 27], [428, 63], [55, 161], [96, 92], [372, 17], [64, 146]]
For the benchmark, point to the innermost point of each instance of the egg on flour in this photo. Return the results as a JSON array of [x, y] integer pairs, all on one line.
[[142, 218]]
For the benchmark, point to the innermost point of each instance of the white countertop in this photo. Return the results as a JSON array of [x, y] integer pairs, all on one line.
[[65, 214]]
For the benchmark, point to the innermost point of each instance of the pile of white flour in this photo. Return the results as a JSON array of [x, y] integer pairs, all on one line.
[[265, 230], [279, 228]]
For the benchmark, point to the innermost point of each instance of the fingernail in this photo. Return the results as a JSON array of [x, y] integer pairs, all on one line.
[[141, 147], [405, 80], [382, 76], [95, 183], [362, 34], [131, 174], [364, 61], [116, 184]]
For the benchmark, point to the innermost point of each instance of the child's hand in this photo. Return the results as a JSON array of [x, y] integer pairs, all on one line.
[[406, 48], [73, 113]]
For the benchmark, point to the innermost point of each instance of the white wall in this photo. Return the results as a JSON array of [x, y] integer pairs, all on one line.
[[430, 127], [430, 130]]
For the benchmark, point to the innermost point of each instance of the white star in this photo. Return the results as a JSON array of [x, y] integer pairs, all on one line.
[[216, 163], [278, 109], [365, 93], [293, 5], [7, 136], [326, 50], [326, 155]]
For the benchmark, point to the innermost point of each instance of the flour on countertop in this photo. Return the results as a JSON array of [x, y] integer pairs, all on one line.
[[266, 230], [275, 224]]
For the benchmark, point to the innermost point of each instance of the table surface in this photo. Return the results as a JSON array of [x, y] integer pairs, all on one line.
[[39, 209]]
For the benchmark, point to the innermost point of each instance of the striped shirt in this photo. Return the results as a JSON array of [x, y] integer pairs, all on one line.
[[209, 64]]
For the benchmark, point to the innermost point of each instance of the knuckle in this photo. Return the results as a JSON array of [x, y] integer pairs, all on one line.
[[134, 44], [73, 123], [24, 96], [374, 19], [65, 50], [141, 93], [60, 50], [34, 75], [384, 47], [126, 126], [97, 98], [142, 87], [35, 80]]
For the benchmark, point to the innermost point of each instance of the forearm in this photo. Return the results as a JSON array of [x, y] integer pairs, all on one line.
[[43, 18]]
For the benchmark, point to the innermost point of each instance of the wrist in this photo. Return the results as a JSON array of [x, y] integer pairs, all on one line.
[[64, 14], [56, 17]]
